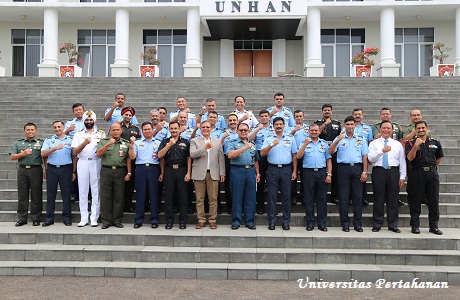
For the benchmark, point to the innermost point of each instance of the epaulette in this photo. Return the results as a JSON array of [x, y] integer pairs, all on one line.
[[41, 140], [99, 130], [409, 124], [124, 140], [377, 123], [287, 108], [318, 121], [288, 134], [395, 123], [432, 139]]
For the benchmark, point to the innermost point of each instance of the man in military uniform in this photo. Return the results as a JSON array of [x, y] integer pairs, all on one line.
[[174, 153], [280, 150], [279, 110], [300, 133], [244, 115], [317, 174], [145, 153], [113, 113], [57, 151], [259, 134], [163, 111], [351, 172], [364, 130], [115, 162], [425, 154], [244, 174], [88, 168], [30, 175], [410, 133], [71, 127], [159, 131], [129, 132], [186, 130], [329, 129], [181, 105], [388, 176], [210, 105]]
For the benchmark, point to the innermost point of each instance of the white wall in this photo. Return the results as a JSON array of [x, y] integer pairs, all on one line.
[[211, 59]]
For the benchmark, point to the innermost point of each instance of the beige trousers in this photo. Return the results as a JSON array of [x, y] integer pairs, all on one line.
[[212, 188]]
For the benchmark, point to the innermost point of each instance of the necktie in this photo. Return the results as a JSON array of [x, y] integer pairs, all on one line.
[[385, 163]]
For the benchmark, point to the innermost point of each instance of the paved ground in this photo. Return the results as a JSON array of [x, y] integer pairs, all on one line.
[[82, 288]]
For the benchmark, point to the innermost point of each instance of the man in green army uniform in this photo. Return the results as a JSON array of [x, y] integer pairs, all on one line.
[[385, 115], [30, 175], [115, 161], [410, 133]]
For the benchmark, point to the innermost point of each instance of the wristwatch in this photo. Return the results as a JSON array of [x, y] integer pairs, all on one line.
[[329, 174], [271, 144]]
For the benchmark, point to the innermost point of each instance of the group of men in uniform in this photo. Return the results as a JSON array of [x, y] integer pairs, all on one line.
[[249, 155]]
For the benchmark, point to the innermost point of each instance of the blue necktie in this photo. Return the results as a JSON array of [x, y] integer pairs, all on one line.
[[385, 163]]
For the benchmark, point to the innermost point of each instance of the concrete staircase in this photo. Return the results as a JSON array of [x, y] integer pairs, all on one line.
[[223, 253]]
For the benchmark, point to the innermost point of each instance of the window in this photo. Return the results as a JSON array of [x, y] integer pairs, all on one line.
[[27, 51], [97, 49], [338, 46], [413, 50], [170, 45], [252, 45]]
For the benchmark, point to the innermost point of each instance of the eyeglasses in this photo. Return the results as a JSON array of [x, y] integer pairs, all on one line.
[[243, 130]]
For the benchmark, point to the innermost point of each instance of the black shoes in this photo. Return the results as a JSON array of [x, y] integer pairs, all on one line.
[[67, 223], [286, 227], [375, 229], [400, 202], [271, 227], [182, 226], [310, 228], [358, 229], [395, 230], [137, 225], [168, 226], [47, 223], [345, 229], [435, 231], [235, 227], [251, 226], [20, 223], [365, 203], [322, 228], [415, 230], [105, 226], [154, 225], [36, 223], [335, 201], [260, 211]]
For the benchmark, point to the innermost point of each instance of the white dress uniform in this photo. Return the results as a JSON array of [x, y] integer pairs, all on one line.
[[88, 171], [252, 121]]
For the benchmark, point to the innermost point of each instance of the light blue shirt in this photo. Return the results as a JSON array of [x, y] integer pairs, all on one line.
[[364, 130], [301, 134], [116, 116], [191, 118], [351, 150], [262, 135], [315, 155], [246, 158], [220, 120], [215, 133], [79, 125], [59, 157], [146, 152], [162, 134], [187, 134], [283, 151], [232, 136], [285, 113]]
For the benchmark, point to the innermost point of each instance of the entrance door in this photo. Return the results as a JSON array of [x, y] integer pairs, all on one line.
[[253, 63]]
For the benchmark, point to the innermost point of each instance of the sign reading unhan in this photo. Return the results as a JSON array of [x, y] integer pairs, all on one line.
[[253, 8]]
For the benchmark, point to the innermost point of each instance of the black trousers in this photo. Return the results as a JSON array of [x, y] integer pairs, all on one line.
[[63, 177], [315, 188], [424, 182], [386, 190], [335, 190], [294, 186], [260, 195], [350, 188], [30, 179], [129, 188], [174, 183]]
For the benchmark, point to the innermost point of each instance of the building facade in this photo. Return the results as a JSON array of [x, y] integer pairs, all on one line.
[[224, 38]]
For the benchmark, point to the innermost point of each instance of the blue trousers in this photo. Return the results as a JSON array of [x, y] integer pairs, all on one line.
[[243, 185], [315, 188], [63, 177], [279, 178], [147, 186], [350, 187]]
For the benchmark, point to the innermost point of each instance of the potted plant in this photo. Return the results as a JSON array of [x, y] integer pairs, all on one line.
[[151, 69], [362, 62], [2, 69], [440, 53], [72, 69]]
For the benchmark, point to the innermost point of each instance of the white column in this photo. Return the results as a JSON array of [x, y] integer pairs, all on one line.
[[278, 57], [457, 42], [388, 66], [193, 66], [226, 58], [120, 68], [314, 66], [49, 66]]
